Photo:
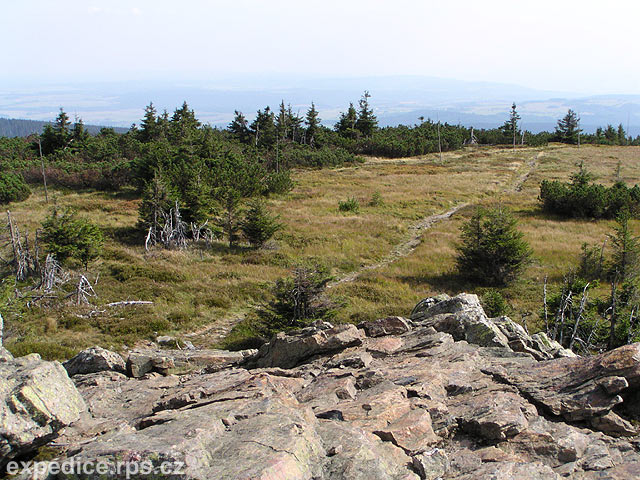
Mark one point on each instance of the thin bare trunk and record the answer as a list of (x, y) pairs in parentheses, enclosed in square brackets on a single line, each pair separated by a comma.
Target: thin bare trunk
[(568, 299), (583, 304), (439, 141), (612, 327), (44, 176), (546, 311)]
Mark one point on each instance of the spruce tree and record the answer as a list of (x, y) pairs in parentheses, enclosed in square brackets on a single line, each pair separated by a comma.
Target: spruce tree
[(295, 121), (493, 251), (156, 203), (259, 225), (263, 129), (622, 135), (282, 123), (149, 125), (511, 126), (367, 121), (625, 261), (239, 127), (611, 135), (234, 179), (346, 125), (67, 236), (313, 124), (568, 128), (183, 126), (79, 134), (13, 188), (57, 136)]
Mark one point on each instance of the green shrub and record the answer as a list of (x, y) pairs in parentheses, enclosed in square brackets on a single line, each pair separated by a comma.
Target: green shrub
[(279, 182), (494, 303), (259, 225), (351, 204), (47, 349), (376, 200), (493, 251), (68, 237), (302, 297), (13, 188), (583, 199)]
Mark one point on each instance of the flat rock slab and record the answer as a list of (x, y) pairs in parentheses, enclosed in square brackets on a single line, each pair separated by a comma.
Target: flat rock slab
[(143, 361)]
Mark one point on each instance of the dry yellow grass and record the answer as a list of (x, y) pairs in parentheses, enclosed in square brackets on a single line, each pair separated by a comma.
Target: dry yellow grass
[(197, 289)]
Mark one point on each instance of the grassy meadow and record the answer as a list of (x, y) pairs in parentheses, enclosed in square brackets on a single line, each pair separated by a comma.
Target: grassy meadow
[(200, 294)]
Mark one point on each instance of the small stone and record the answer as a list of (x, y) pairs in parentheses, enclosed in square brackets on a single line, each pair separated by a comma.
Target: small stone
[(431, 464), (613, 385), (412, 432), (386, 326), (346, 389), (614, 425), (166, 341), (335, 450)]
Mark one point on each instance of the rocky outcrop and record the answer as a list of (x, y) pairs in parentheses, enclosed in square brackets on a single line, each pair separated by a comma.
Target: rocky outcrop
[(580, 388), (37, 400), (94, 359), (463, 317), (447, 394)]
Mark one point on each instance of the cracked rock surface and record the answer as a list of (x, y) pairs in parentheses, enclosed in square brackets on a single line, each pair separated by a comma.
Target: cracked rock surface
[(447, 393)]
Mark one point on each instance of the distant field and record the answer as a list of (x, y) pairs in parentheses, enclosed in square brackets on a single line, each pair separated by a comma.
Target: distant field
[(207, 291)]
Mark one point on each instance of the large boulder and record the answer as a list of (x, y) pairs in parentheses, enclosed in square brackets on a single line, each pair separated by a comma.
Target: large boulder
[(464, 318), (37, 400), (94, 359), (461, 316), (289, 350)]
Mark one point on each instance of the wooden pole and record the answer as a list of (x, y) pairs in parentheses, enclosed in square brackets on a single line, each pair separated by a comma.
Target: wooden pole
[(439, 141), (44, 177)]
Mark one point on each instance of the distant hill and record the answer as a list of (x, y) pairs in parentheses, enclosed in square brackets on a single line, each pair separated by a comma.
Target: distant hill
[(15, 127), (395, 99)]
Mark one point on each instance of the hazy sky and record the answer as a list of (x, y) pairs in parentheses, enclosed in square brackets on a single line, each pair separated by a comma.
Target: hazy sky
[(588, 46)]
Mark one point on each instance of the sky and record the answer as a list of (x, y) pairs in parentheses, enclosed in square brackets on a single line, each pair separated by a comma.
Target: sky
[(584, 46)]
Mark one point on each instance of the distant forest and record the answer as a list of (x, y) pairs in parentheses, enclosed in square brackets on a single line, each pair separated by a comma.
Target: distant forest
[(14, 127), (193, 163)]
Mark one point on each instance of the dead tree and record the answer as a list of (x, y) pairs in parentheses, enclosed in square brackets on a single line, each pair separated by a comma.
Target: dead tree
[(52, 275), (83, 291), (567, 301), (613, 319), (199, 231), (172, 234), (546, 310), (632, 325), (583, 304), (25, 263)]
